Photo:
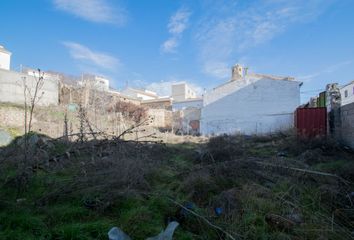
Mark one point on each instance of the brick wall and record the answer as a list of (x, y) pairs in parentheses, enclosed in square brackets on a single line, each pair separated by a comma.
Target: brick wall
[(347, 124)]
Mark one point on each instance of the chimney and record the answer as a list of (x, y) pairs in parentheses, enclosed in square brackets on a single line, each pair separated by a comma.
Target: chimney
[(237, 72)]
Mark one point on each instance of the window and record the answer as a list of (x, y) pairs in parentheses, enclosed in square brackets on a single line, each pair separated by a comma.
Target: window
[(346, 93)]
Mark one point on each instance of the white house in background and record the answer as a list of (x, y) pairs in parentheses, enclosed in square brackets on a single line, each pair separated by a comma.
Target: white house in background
[(95, 82), (347, 93), (5, 58), (250, 104), (182, 91), (140, 94)]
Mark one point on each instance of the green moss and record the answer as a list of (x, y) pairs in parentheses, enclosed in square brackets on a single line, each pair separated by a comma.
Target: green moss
[(266, 151), (18, 223), (82, 231), (14, 132), (331, 166)]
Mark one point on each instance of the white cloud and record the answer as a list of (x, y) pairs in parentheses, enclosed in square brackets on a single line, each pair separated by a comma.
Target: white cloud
[(177, 25), (93, 10), (170, 45), (328, 70), (224, 33), (87, 56), (217, 69), (178, 22)]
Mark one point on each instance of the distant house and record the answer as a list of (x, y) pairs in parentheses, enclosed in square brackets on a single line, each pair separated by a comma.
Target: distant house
[(141, 94), (182, 91), (95, 82), (250, 104), (347, 93)]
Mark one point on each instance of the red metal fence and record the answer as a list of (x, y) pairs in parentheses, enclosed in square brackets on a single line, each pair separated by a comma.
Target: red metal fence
[(311, 122)]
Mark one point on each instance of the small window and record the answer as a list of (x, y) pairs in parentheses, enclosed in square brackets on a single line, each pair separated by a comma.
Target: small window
[(346, 93)]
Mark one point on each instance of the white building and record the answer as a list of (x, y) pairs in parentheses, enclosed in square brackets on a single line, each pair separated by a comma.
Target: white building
[(250, 104), (5, 58), (140, 94), (94, 82), (182, 91), (347, 93)]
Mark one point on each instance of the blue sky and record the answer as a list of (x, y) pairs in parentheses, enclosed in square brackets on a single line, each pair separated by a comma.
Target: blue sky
[(149, 42)]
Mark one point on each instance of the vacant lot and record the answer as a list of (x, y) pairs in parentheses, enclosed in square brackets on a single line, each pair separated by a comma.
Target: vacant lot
[(232, 187)]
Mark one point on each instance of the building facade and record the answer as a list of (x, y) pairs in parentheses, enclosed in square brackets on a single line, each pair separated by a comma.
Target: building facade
[(347, 93), (182, 91), (5, 58), (250, 104), (140, 94)]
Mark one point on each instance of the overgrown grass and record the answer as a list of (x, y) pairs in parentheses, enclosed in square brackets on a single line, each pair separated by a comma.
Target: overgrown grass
[(13, 105), (247, 194)]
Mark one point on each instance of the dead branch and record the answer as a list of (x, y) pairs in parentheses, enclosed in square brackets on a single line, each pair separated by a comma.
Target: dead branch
[(204, 219), (306, 171)]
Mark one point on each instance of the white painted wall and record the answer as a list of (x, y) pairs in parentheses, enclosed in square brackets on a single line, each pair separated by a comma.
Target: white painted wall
[(225, 89), (347, 94), (140, 94), (5, 59), (144, 97), (182, 91), (11, 88), (253, 106)]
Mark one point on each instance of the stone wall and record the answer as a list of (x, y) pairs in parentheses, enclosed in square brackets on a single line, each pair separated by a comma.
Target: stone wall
[(11, 117), (161, 118), (158, 104)]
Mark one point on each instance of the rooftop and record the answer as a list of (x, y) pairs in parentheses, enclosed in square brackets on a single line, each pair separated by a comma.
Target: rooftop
[(143, 91), (165, 99), (190, 100), (2, 49), (347, 84)]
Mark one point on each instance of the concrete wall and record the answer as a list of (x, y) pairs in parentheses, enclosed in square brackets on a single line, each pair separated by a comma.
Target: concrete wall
[(260, 107), (182, 91), (225, 89), (5, 59), (347, 94), (347, 124), (11, 88), (140, 94)]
